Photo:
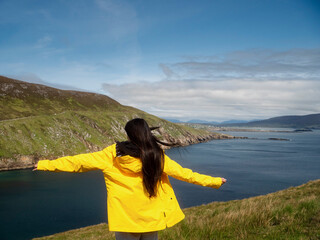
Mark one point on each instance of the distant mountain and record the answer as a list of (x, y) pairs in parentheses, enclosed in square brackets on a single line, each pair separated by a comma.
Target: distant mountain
[(215, 122), (173, 120), (306, 121), (199, 121), (37, 121), (233, 121)]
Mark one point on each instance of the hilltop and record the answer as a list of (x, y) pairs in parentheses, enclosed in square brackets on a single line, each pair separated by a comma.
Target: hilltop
[(293, 213), (38, 121), (21, 99)]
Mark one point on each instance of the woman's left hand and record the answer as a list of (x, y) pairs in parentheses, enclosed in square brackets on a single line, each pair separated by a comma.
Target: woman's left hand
[(35, 167)]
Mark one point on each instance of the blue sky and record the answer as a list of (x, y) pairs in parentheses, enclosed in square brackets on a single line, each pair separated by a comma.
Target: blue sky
[(212, 60)]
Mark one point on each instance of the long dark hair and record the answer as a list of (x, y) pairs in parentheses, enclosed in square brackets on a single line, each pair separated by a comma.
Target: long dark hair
[(151, 154)]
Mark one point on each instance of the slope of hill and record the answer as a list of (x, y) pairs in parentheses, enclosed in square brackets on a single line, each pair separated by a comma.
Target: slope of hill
[(293, 213), (21, 99), (37, 121), (306, 121)]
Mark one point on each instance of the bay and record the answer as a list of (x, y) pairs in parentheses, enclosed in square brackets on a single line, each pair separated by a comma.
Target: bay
[(34, 204)]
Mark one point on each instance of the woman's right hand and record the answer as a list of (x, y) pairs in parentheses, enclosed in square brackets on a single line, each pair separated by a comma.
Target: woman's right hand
[(223, 180)]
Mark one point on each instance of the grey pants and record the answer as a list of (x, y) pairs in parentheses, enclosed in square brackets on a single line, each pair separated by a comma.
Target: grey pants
[(136, 236)]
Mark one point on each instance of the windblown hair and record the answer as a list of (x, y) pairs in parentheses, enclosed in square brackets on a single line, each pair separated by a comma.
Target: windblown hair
[(151, 154)]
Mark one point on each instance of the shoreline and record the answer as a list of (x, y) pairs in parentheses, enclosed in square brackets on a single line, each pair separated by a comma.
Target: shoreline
[(27, 161)]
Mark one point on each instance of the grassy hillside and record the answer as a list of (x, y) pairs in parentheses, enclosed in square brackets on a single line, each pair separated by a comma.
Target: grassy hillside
[(75, 131), (293, 213), (37, 121), (21, 99)]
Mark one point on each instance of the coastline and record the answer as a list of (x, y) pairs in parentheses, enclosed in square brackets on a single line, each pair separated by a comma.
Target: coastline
[(28, 161), (21, 162)]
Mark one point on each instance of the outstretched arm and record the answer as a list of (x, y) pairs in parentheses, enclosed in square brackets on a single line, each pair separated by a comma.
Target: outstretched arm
[(78, 163), (175, 170)]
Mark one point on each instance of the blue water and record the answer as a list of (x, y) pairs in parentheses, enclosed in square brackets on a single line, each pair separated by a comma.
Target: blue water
[(34, 204)]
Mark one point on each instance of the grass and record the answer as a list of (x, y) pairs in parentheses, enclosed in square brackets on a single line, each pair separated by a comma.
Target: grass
[(293, 213), (21, 99), (74, 132)]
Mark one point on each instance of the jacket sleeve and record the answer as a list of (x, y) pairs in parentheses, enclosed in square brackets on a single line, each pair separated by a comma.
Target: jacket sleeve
[(79, 163), (175, 170)]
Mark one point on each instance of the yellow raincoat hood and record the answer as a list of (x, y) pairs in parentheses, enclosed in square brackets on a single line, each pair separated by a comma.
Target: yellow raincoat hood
[(129, 164)]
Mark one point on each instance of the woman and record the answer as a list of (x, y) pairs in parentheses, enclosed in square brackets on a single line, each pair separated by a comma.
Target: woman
[(140, 198)]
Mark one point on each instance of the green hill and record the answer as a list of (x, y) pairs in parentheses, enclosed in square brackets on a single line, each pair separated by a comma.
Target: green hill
[(293, 213), (37, 121), (21, 99)]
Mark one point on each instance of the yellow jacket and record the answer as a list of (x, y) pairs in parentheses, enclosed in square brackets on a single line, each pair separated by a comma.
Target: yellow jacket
[(129, 207)]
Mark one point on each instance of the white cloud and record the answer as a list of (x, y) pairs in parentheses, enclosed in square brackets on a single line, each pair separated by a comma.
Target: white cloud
[(223, 100), (255, 64), (243, 85)]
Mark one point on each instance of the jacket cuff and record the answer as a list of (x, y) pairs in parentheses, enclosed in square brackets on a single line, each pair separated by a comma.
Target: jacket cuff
[(218, 182)]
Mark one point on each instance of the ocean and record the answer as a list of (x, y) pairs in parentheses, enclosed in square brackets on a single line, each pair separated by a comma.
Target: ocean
[(35, 204)]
